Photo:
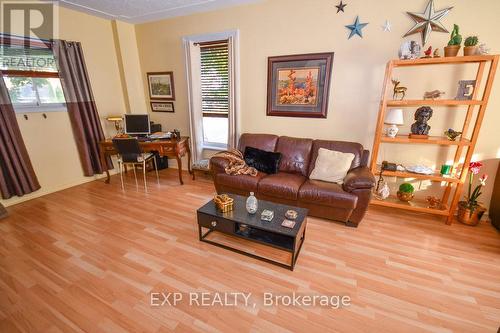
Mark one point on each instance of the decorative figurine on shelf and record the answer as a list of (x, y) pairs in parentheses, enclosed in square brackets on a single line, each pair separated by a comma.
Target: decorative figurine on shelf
[(428, 52), (433, 94), (465, 89), (451, 134), (405, 192), (483, 49), (454, 44), (420, 128), (398, 90), (436, 53), (384, 192), (409, 50), (434, 202)]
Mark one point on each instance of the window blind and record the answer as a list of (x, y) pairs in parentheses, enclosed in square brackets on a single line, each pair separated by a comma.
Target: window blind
[(215, 78)]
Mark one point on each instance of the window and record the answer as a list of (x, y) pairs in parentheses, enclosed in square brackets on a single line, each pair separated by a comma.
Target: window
[(31, 77), (214, 77)]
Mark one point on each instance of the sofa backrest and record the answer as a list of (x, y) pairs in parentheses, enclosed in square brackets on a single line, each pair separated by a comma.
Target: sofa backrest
[(265, 142), (295, 154), (360, 157)]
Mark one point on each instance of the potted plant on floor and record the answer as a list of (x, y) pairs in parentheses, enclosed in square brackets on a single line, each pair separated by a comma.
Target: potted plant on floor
[(471, 211), (405, 192), (470, 45), (454, 44)]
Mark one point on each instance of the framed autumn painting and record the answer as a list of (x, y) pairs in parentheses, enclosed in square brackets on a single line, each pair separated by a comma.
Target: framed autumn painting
[(298, 85)]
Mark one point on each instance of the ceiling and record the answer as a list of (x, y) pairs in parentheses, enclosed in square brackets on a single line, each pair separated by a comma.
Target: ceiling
[(140, 11)]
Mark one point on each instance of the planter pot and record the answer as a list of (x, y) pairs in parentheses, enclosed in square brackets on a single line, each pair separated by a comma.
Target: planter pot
[(405, 196), (464, 215), (470, 50), (451, 51)]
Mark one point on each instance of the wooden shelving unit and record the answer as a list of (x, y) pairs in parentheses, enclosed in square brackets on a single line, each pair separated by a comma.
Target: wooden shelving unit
[(475, 105)]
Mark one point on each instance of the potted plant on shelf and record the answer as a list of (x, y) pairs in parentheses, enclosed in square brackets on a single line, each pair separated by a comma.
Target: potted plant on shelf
[(470, 45), (471, 211), (454, 44), (406, 192)]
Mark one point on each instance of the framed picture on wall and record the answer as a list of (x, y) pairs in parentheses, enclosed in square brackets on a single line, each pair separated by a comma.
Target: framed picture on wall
[(299, 85), (160, 106), (161, 85)]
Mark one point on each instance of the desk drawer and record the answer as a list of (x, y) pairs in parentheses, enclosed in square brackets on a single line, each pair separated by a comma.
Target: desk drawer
[(215, 223)]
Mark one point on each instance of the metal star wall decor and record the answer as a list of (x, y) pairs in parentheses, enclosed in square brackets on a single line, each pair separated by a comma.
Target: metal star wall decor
[(428, 21), (356, 28), (387, 26), (340, 7)]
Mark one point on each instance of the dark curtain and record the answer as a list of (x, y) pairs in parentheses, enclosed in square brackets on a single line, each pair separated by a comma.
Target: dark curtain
[(17, 176), (81, 106)]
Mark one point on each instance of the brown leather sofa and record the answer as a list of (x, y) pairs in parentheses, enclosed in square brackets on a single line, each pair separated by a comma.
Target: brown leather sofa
[(291, 185)]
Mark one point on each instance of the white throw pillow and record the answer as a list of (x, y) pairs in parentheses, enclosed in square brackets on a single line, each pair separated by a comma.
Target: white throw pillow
[(331, 166)]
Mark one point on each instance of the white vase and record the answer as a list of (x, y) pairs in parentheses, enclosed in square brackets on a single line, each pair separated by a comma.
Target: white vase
[(252, 204)]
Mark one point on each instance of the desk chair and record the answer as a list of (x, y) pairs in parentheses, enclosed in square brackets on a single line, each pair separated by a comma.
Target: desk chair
[(130, 153)]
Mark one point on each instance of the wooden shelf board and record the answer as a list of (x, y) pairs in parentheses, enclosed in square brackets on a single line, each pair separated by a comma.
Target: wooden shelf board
[(414, 205), (442, 102), (432, 140), (436, 177), (443, 60)]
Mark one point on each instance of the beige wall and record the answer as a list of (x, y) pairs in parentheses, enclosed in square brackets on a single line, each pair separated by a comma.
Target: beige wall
[(50, 141), (281, 27)]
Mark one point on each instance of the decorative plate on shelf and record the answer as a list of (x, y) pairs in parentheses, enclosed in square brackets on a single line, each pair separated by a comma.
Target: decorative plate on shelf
[(421, 169)]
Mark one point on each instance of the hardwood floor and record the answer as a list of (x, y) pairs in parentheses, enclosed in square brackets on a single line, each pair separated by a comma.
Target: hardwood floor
[(87, 259)]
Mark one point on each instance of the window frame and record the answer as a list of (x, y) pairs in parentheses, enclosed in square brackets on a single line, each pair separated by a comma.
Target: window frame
[(38, 107)]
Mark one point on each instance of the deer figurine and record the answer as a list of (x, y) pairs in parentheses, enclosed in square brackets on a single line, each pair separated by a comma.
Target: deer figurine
[(398, 90)]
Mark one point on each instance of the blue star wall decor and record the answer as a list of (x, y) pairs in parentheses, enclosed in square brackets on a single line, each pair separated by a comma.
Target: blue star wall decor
[(356, 28)]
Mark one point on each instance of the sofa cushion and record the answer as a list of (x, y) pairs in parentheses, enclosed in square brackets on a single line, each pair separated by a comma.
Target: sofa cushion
[(317, 191), (242, 182), (265, 142), (296, 154), (283, 185), (262, 160), (342, 146), (331, 166)]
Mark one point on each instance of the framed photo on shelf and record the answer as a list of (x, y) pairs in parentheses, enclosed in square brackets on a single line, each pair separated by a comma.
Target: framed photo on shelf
[(161, 85), (299, 85), (161, 106)]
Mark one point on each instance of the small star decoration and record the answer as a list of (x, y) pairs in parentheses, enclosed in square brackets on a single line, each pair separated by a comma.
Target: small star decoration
[(340, 7), (387, 26), (356, 28)]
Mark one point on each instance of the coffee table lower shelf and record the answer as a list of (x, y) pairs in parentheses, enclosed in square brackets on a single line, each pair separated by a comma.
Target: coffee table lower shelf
[(292, 248)]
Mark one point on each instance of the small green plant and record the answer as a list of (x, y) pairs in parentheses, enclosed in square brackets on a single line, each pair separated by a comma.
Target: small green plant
[(471, 41), (406, 188), (455, 37)]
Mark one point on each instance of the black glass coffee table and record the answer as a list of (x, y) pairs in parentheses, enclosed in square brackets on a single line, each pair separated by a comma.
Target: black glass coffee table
[(241, 224)]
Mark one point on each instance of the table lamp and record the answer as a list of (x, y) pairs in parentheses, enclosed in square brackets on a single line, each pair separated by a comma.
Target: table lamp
[(394, 118), (118, 123)]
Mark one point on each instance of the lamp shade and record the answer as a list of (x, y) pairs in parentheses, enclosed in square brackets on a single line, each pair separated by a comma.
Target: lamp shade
[(394, 117)]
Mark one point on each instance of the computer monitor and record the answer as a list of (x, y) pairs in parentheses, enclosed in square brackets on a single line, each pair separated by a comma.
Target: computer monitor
[(137, 124)]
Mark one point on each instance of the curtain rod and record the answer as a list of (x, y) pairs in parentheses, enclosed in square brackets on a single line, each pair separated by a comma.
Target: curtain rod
[(22, 40), (212, 42)]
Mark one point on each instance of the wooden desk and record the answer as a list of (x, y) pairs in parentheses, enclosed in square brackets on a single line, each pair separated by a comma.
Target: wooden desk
[(166, 147)]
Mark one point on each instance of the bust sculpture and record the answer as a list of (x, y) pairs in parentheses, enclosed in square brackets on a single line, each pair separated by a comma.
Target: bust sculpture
[(422, 116)]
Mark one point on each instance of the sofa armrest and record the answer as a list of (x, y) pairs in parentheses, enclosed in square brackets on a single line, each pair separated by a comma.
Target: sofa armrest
[(359, 178), (218, 164)]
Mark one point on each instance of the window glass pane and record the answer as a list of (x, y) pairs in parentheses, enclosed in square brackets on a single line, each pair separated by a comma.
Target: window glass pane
[(24, 59), (49, 90), (21, 90), (215, 130)]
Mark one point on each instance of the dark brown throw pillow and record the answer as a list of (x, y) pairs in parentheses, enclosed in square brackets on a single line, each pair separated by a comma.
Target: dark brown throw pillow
[(264, 161)]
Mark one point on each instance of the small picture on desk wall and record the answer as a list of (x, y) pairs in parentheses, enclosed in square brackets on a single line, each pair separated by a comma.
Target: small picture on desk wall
[(162, 106), (161, 85)]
